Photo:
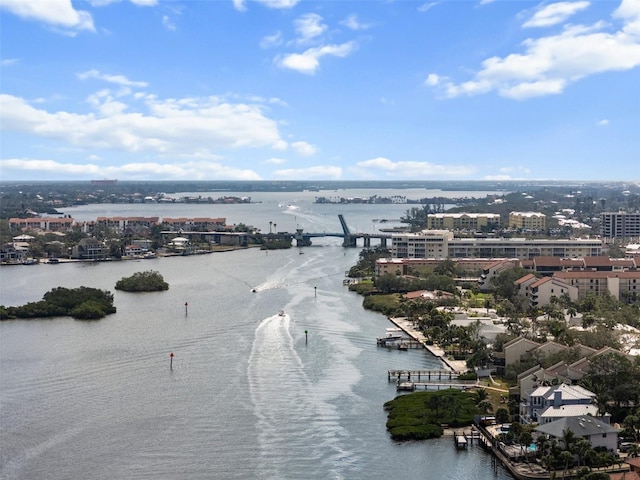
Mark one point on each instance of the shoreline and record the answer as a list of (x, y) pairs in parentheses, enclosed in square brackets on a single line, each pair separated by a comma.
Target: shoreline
[(458, 366)]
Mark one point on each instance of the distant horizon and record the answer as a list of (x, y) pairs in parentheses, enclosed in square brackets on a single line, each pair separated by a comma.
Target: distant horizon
[(291, 90), (329, 184)]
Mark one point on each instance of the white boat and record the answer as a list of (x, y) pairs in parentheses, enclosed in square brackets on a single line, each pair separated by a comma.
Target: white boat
[(391, 335)]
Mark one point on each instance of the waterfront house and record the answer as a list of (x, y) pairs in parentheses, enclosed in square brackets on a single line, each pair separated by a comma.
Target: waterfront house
[(541, 398), (597, 432), (90, 249)]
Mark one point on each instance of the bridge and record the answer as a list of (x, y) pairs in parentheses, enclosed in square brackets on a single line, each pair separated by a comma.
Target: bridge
[(302, 238), (349, 239)]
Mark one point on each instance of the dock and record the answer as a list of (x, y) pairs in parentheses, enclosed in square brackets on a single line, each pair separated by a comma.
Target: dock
[(419, 375), (418, 338)]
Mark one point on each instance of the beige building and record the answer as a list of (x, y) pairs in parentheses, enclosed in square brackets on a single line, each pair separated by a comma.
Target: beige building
[(538, 291), (618, 284), (53, 224), (463, 221), (442, 244), (527, 220), (120, 224)]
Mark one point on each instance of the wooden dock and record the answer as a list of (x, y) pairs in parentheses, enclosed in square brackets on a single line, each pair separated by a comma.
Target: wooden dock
[(400, 344), (421, 375)]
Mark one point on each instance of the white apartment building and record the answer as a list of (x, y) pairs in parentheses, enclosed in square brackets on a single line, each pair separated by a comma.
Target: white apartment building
[(442, 244)]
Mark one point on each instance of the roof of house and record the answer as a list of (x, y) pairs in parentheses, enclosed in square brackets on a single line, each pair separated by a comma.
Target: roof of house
[(582, 426), (568, 392), (570, 411), (624, 476), (526, 278)]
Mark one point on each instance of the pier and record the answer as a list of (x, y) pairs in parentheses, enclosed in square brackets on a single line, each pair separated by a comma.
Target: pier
[(419, 375)]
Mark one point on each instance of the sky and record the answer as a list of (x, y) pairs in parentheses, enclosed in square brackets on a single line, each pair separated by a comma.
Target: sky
[(319, 90)]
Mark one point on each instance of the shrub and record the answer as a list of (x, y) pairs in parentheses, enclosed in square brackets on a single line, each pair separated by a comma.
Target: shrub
[(149, 281), (83, 303)]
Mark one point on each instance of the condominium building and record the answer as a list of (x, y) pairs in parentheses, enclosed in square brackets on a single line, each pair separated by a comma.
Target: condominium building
[(620, 225), (618, 284), (442, 244), (195, 224), (44, 224), (463, 221), (120, 224), (527, 220)]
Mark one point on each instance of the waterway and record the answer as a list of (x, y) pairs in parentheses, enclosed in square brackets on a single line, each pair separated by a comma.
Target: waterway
[(249, 394)]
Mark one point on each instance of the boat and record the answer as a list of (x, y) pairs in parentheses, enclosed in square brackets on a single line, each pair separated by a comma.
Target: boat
[(53, 260), (391, 336), (148, 255), (29, 261), (281, 313)]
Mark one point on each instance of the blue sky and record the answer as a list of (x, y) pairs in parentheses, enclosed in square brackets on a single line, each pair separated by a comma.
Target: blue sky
[(327, 90)]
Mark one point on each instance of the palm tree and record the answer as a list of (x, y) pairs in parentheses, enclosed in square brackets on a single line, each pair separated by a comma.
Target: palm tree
[(566, 457), (480, 394), (485, 406)]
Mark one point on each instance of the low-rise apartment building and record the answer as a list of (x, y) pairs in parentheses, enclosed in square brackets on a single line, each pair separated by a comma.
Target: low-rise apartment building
[(122, 224), (618, 284), (42, 224), (463, 221), (442, 244), (527, 220)]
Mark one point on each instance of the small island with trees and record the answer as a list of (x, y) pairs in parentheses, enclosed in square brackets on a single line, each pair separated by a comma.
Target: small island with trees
[(148, 281), (82, 303)]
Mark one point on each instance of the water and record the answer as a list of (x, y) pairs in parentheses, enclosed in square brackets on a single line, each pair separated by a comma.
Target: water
[(250, 395)]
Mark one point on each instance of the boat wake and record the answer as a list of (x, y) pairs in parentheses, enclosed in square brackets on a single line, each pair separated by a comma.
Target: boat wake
[(296, 428)]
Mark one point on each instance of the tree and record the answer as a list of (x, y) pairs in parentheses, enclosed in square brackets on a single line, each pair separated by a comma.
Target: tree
[(416, 217), (502, 415), (485, 406)]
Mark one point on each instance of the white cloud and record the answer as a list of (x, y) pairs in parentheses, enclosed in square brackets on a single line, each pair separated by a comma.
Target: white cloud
[(308, 27), (603, 123), (320, 172), (271, 40), (117, 79), (168, 23), (427, 6), (7, 62), (275, 161), (353, 23), (555, 13), (411, 169), (303, 148), (549, 64), (140, 3), (432, 80), (202, 170), (241, 6), (308, 61), (58, 13), (198, 125)]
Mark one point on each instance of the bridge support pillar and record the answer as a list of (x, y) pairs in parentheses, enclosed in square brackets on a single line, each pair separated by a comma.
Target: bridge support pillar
[(383, 242), (367, 242)]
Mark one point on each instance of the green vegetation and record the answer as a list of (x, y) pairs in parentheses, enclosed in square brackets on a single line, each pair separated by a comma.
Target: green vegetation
[(149, 281), (420, 415), (82, 303), (366, 265)]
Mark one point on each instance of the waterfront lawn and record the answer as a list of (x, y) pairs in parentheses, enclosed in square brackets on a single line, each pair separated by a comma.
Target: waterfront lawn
[(420, 415)]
